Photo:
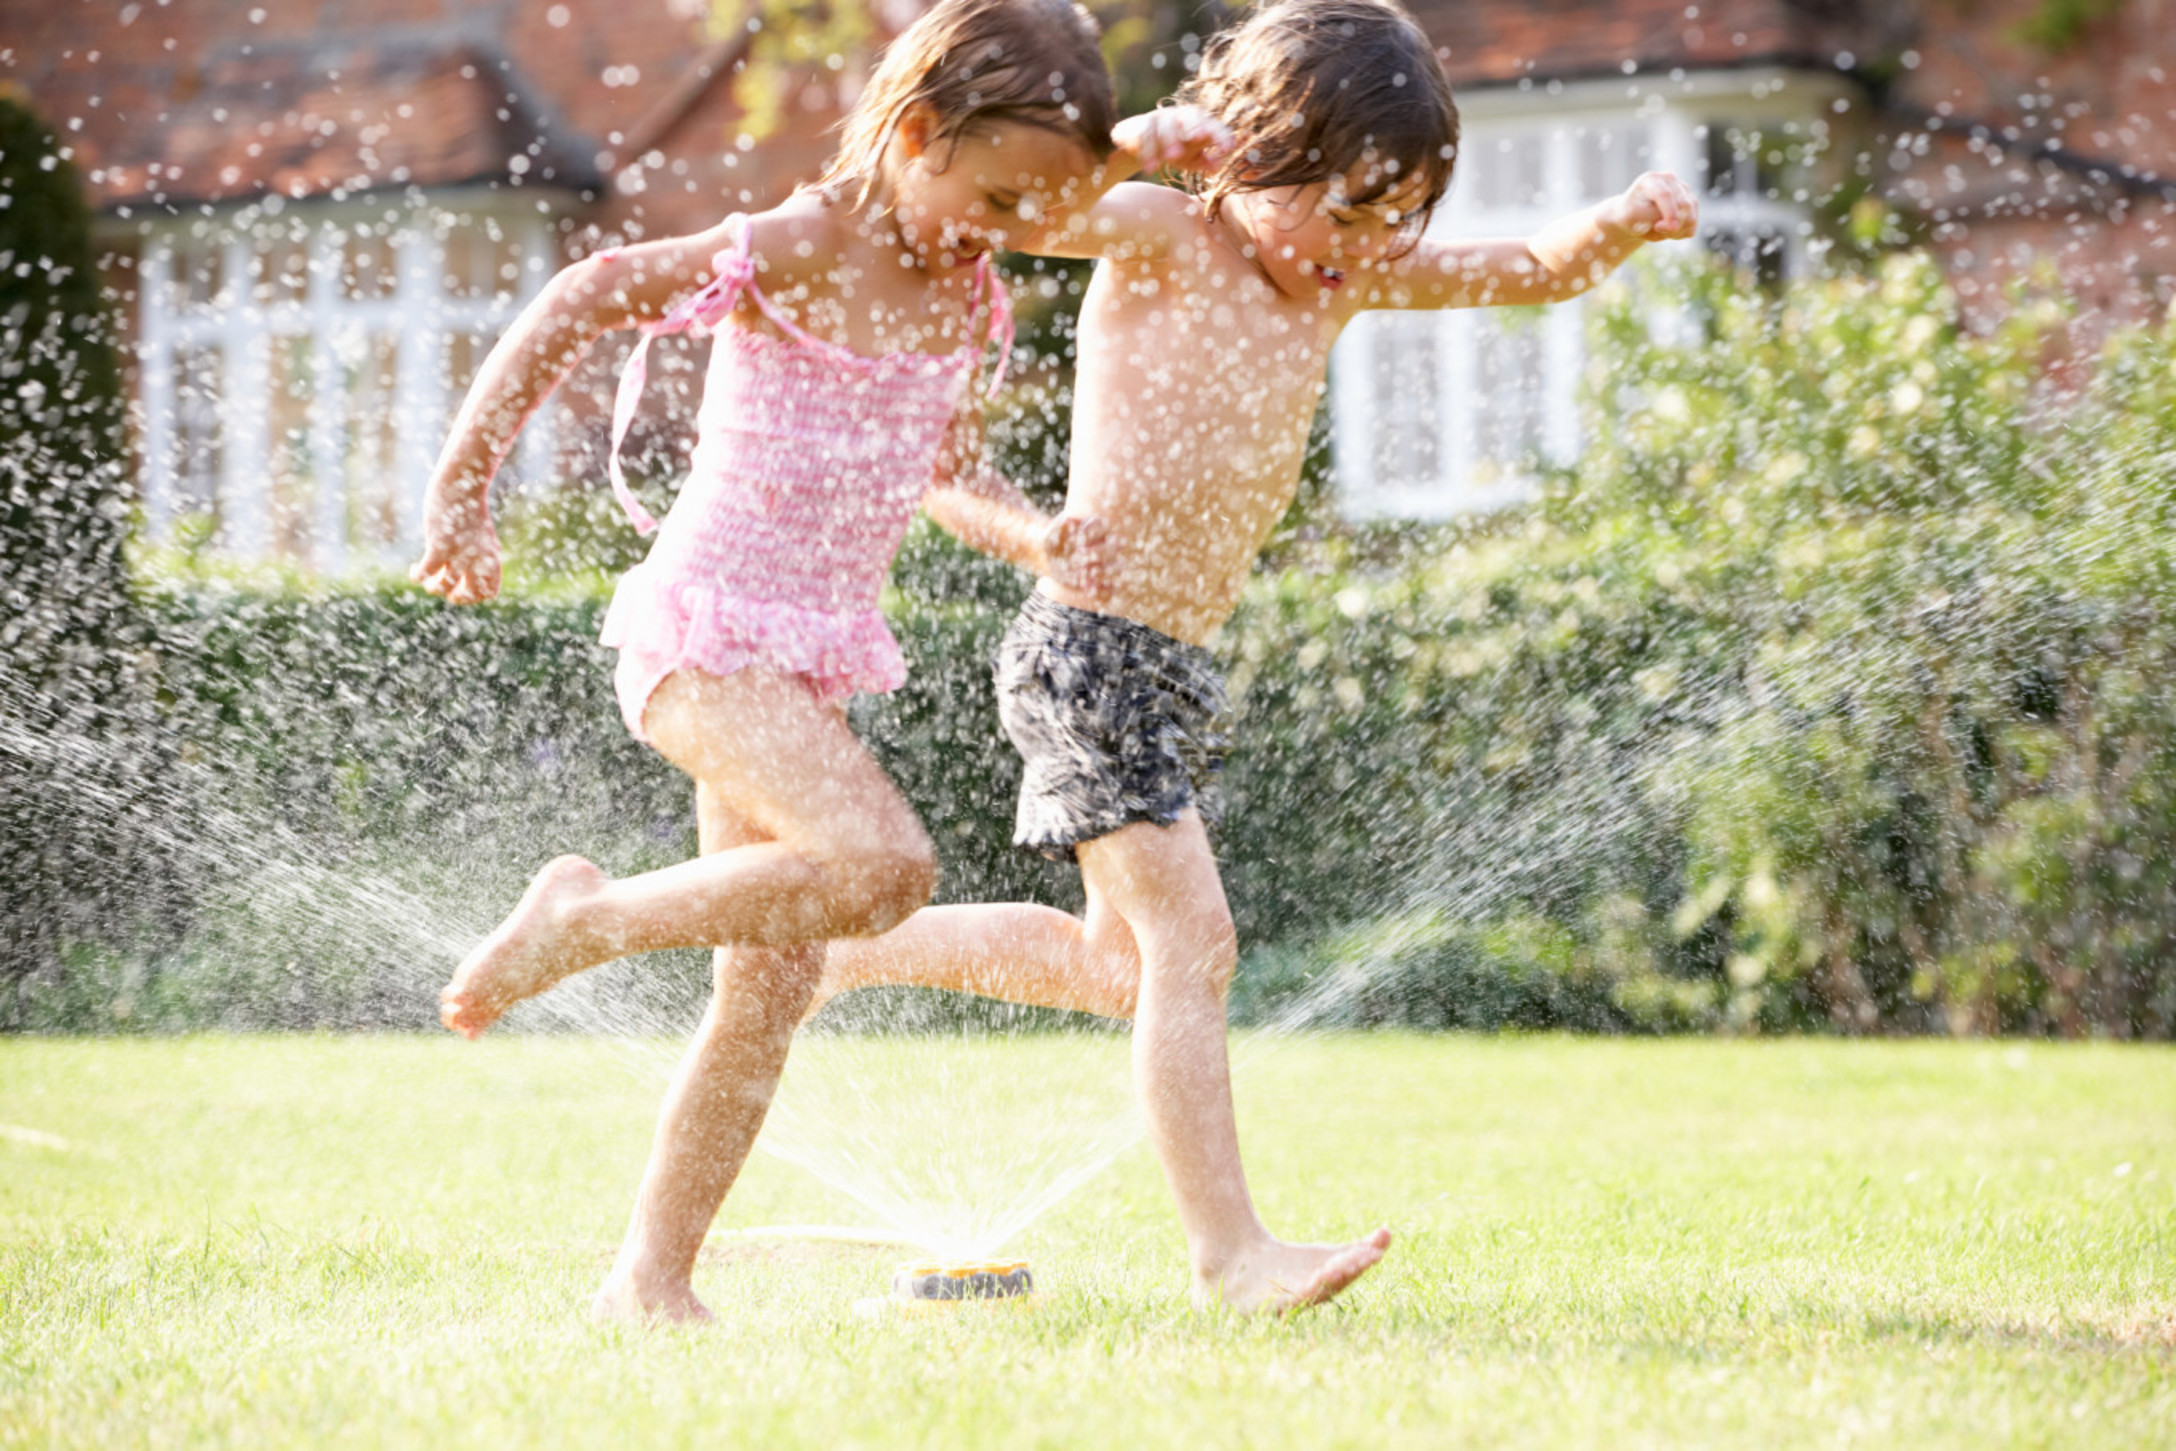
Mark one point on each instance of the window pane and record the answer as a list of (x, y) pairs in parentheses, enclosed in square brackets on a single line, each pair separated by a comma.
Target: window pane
[(505, 267), (1611, 157), (199, 272), (373, 519), (288, 431), (1513, 170), (461, 259), (1508, 381), (1751, 161), (483, 259), (280, 270), (199, 451), (464, 352), (367, 267), (1405, 381)]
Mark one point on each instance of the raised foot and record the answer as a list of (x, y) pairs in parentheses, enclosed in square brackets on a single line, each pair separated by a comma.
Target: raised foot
[(1274, 1278), (621, 1301), (526, 955)]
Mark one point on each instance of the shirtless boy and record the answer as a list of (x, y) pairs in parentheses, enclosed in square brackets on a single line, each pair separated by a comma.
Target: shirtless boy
[(1204, 340)]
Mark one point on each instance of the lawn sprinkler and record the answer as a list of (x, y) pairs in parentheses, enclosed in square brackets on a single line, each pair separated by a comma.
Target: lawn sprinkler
[(929, 1284)]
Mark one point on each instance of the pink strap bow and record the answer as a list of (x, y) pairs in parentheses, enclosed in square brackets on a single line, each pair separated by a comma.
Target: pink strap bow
[(735, 269)]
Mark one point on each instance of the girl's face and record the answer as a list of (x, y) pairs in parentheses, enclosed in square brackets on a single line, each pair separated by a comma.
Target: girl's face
[(978, 192), (1310, 239)]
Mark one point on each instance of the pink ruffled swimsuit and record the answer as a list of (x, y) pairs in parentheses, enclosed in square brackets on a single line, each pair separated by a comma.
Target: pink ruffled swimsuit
[(809, 463)]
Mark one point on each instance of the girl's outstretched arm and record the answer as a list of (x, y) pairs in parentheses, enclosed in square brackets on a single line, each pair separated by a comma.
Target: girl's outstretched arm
[(616, 288), (1565, 258)]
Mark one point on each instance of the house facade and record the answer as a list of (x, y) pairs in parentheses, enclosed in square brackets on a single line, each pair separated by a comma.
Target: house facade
[(2011, 145), (318, 216)]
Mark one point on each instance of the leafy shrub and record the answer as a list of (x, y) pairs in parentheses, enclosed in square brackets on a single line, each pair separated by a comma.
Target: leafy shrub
[(1829, 691), (1830, 688)]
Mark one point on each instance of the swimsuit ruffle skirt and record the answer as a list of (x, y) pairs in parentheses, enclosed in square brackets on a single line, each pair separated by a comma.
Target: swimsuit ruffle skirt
[(809, 463)]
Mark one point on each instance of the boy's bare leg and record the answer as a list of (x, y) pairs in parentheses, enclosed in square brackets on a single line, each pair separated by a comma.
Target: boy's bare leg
[(712, 1111), (841, 851), (1016, 951), (1163, 881)]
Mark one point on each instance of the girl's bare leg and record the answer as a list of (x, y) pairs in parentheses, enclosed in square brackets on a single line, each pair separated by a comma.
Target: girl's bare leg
[(1016, 951), (841, 853), (714, 1108), (1163, 881)]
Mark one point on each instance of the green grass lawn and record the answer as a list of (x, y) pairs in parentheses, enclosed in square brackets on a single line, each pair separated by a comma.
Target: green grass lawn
[(297, 1241)]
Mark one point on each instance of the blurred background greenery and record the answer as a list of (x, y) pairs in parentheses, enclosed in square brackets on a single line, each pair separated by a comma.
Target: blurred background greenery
[(1828, 690)]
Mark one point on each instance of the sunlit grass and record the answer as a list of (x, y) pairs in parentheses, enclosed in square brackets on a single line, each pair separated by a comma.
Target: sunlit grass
[(306, 1241)]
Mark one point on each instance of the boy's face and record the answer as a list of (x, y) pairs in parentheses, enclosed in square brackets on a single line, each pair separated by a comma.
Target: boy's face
[(1310, 239)]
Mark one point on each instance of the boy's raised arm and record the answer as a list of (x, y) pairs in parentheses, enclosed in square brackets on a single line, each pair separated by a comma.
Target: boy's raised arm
[(1122, 219), (1565, 258)]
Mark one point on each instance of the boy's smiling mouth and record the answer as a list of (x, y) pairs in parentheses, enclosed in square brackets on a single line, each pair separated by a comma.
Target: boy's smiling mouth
[(1332, 277)]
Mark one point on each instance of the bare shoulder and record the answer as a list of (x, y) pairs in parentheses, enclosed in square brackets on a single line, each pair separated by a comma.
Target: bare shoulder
[(799, 237), (1135, 219)]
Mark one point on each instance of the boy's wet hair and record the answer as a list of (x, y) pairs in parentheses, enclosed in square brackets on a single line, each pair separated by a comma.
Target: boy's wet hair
[(1320, 89), (1035, 62)]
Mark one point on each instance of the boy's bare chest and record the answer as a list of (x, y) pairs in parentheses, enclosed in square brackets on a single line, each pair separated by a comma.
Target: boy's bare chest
[(1231, 349)]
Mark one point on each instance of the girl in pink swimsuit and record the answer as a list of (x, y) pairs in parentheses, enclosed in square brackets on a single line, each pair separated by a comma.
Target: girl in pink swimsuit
[(811, 459), (849, 323)]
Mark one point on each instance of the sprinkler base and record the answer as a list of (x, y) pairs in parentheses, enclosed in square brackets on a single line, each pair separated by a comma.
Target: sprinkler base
[(937, 1282)]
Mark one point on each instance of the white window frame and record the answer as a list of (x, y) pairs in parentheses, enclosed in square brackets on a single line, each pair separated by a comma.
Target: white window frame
[(1671, 116), (422, 315)]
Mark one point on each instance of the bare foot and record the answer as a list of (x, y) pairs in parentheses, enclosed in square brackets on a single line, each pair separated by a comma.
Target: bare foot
[(1275, 1277), (525, 956), (620, 1299)]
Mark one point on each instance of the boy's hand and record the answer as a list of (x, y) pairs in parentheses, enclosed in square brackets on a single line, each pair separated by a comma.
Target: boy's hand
[(1076, 554), (1184, 138), (1659, 207), (460, 551)]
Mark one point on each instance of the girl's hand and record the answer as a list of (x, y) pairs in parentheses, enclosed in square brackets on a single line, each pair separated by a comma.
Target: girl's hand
[(1076, 554), (1659, 207), (1184, 138), (460, 551)]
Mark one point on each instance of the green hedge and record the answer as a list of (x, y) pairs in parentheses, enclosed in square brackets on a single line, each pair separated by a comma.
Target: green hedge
[(1829, 691)]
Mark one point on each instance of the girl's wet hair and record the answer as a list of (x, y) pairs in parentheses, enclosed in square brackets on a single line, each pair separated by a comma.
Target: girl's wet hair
[(1035, 62), (1320, 89)]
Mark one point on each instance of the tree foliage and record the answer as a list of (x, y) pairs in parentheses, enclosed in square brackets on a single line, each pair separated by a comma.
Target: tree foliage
[(1830, 688), (74, 743)]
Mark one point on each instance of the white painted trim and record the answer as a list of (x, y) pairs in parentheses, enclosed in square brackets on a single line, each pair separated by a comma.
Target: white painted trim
[(414, 361), (155, 372), (328, 407), (1776, 90)]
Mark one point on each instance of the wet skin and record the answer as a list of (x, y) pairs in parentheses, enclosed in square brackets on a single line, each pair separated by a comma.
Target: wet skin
[(1204, 348)]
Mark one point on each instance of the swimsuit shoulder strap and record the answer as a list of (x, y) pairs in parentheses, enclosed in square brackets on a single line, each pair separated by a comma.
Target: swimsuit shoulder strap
[(999, 303), (733, 272)]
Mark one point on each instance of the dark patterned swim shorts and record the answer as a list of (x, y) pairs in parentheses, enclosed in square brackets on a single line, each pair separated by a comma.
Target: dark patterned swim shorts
[(1117, 723)]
